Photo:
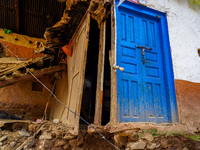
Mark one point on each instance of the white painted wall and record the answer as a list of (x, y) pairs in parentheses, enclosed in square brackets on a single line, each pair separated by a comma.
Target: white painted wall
[(184, 32)]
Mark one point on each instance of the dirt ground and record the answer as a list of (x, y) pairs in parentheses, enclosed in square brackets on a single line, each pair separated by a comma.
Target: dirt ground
[(180, 142)]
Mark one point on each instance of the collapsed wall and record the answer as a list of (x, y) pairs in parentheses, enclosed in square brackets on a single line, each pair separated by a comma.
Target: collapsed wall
[(25, 99), (20, 99), (61, 33)]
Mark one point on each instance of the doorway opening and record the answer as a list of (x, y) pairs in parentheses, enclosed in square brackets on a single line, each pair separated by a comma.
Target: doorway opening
[(90, 81), (107, 80)]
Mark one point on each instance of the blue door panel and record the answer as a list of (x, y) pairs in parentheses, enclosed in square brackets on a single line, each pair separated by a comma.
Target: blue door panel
[(141, 87)]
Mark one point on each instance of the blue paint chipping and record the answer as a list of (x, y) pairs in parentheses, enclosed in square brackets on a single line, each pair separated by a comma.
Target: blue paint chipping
[(145, 88)]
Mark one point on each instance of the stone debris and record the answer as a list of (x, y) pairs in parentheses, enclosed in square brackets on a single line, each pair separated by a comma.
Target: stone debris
[(66, 146), (151, 146), (12, 144), (45, 136), (163, 143), (24, 133), (137, 145), (185, 148), (158, 145), (80, 139), (120, 139), (69, 137), (73, 142), (60, 143), (48, 144), (148, 137), (3, 138), (5, 147), (42, 138)]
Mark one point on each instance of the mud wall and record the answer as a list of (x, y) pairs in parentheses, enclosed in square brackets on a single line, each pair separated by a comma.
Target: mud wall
[(188, 100), (20, 100)]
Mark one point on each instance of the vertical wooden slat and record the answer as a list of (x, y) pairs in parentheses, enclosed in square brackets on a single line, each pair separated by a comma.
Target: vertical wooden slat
[(100, 75), (17, 15)]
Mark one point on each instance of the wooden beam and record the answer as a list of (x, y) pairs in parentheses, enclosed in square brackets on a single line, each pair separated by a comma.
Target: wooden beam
[(100, 75), (38, 73)]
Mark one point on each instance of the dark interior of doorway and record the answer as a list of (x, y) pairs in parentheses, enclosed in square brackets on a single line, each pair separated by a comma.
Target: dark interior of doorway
[(107, 83), (90, 81)]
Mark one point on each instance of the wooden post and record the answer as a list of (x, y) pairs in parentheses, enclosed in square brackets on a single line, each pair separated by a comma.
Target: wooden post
[(100, 75), (112, 57)]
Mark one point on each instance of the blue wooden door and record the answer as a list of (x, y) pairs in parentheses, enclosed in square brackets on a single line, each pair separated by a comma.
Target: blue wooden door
[(141, 87)]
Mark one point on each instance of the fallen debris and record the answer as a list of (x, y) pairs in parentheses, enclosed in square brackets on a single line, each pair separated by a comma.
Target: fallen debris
[(47, 135)]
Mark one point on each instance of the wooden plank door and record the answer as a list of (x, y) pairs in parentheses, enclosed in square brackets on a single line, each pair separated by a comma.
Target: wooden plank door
[(156, 103), (77, 74), (142, 87)]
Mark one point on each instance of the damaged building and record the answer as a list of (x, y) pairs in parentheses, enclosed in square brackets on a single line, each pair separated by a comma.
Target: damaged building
[(110, 62)]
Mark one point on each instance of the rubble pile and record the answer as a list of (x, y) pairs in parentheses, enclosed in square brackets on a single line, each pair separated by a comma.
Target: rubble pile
[(150, 140), (46, 136), (55, 136)]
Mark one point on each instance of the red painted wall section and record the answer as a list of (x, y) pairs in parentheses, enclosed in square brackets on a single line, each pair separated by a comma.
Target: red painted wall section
[(21, 45), (188, 100), (21, 51)]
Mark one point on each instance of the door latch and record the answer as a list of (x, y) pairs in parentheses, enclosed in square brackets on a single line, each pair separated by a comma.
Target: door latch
[(143, 58), (143, 50), (118, 67)]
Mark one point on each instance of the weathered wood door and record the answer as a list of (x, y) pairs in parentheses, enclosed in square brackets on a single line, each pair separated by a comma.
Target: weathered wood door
[(143, 86), (76, 72)]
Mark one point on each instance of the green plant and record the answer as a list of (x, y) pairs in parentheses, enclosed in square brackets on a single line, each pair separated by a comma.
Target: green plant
[(195, 2), (195, 137)]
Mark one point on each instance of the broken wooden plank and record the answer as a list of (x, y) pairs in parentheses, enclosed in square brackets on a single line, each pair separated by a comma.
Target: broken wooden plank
[(24, 64), (76, 75), (80, 65), (38, 73), (7, 121), (7, 60), (100, 75), (14, 68)]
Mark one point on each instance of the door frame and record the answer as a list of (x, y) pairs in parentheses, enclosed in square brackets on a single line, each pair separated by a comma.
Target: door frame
[(165, 47)]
